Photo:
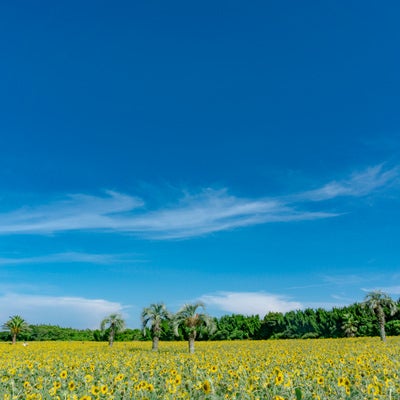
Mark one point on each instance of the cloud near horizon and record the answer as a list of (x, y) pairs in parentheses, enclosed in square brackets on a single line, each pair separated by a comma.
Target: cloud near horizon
[(261, 303), (76, 312), (250, 303), (206, 212)]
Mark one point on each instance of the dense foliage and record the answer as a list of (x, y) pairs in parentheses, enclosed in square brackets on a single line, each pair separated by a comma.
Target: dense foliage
[(351, 321), (53, 333)]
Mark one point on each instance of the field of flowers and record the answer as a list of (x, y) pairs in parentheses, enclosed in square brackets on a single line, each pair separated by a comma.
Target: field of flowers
[(362, 368)]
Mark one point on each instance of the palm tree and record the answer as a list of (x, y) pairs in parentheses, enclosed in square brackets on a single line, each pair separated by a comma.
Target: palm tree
[(114, 323), (191, 321), (154, 316), (377, 302), (16, 325), (349, 325)]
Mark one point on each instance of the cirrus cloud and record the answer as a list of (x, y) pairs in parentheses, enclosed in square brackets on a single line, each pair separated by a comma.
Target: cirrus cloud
[(72, 257), (198, 214), (357, 185)]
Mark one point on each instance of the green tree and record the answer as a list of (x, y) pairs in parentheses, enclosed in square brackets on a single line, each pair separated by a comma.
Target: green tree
[(191, 321), (16, 325), (272, 325), (350, 325), (54, 332), (393, 328), (129, 335), (154, 316), (379, 303), (328, 322), (300, 324), (113, 323), (237, 327), (366, 320)]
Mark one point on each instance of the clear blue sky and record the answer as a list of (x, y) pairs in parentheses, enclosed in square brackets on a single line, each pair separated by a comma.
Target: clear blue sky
[(242, 154)]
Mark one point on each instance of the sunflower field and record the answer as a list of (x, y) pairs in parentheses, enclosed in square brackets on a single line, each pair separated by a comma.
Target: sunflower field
[(357, 368)]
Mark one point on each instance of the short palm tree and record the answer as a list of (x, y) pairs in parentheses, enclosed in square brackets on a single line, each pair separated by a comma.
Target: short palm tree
[(191, 321), (16, 325), (115, 323), (377, 302), (154, 316), (349, 325)]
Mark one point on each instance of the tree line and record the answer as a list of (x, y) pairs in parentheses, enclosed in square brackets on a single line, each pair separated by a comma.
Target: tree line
[(378, 315)]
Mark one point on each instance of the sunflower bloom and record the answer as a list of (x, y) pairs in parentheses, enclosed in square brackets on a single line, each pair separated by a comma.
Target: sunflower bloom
[(206, 386)]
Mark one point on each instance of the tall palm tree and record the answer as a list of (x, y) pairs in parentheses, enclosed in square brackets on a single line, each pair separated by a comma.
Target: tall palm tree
[(115, 323), (16, 325), (188, 318), (154, 316), (377, 302)]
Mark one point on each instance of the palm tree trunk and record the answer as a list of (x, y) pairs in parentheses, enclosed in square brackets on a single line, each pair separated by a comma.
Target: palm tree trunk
[(155, 343), (111, 339), (14, 338), (381, 319), (191, 345)]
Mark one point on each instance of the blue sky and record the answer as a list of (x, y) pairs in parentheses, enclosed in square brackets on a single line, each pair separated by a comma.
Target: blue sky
[(245, 155)]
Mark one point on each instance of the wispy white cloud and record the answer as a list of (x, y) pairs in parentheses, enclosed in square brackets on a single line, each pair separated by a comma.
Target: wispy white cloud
[(353, 279), (71, 257), (209, 211), (194, 215), (362, 282), (77, 212), (346, 279), (392, 290), (213, 211), (250, 303), (76, 312), (359, 184)]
